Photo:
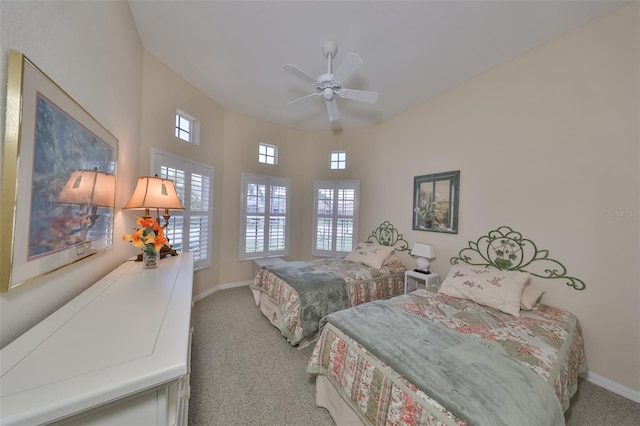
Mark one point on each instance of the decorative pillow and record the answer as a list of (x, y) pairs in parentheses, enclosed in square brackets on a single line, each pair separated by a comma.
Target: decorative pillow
[(370, 254), (392, 259), (531, 295), (496, 289)]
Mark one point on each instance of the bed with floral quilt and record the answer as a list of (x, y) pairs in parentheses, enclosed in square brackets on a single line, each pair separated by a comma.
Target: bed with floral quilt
[(481, 349), (295, 296)]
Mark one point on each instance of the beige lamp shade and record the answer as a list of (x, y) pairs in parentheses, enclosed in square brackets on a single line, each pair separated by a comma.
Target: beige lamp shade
[(423, 252), (154, 193), (89, 187)]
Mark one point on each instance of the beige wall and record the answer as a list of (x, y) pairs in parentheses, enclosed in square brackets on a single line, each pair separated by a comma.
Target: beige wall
[(163, 93), (93, 52), (317, 149), (303, 157), (546, 143), (242, 136)]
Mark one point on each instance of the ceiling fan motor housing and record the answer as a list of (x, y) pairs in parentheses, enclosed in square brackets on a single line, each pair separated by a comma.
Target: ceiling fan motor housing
[(328, 85)]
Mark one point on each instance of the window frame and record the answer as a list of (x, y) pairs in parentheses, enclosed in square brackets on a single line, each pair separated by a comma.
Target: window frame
[(268, 182), (337, 161), (161, 158), (194, 124), (266, 155), (334, 185)]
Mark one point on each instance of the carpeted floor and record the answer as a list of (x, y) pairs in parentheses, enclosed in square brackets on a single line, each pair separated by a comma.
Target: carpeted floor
[(244, 372)]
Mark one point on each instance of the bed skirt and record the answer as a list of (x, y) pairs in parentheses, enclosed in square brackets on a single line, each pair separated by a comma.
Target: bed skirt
[(328, 397), (269, 309)]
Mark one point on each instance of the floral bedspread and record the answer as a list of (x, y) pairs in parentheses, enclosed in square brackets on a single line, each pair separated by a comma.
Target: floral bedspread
[(363, 282), (547, 340)]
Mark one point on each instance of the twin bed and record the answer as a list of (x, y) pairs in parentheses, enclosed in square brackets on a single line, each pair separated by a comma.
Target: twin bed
[(482, 349), (295, 296)]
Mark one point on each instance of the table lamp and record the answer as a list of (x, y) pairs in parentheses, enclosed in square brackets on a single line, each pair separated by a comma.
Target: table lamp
[(155, 193), (423, 252)]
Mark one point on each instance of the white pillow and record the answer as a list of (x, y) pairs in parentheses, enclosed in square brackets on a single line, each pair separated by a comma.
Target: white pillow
[(392, 259), (531, 295), (370, 254), (497, 289)]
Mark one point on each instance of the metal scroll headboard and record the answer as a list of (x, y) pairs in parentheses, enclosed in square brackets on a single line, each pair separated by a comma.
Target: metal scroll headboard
[(506, 249), (387, 235)]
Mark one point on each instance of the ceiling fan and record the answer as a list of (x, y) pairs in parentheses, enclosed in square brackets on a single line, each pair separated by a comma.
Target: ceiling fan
[(329, 85)]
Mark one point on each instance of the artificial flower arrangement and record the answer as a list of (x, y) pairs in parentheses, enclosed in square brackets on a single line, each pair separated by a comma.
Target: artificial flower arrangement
[(149, 236)]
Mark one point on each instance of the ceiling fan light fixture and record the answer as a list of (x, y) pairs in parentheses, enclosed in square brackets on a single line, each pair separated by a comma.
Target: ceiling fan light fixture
[(327, 93)]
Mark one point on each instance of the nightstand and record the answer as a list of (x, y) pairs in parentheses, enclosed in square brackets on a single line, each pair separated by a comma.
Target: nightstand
[(414, 280)]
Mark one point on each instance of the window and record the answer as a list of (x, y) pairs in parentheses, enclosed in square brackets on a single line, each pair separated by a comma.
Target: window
[(264, 228), (189, 230), (338, 160), (267, 154), (187, 128), (335, 217)]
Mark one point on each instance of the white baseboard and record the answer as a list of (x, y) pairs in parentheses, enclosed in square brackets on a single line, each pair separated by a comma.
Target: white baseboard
[(596, 379), (613, 386), (209, 292)]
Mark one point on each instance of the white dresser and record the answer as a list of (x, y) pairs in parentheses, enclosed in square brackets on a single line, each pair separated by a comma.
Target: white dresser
[(117, 354)]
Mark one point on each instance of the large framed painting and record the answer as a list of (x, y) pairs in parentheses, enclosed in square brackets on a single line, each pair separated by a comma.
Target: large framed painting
[(58, 178), (435, 202)]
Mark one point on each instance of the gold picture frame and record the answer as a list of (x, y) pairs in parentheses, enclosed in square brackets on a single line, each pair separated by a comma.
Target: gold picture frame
[(58, 178)]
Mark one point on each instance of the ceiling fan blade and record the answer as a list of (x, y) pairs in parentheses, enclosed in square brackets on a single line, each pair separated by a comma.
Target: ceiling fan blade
[(347, 67), (358, 95), (305, 99), (332, 109), (292, 69)]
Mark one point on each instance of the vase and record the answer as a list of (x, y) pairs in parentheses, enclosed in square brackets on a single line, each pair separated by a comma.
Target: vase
[(149, 260)]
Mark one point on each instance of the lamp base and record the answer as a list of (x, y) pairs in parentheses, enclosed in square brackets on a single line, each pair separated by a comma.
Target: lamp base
[(167, 251), (164, 252), (423, 264)]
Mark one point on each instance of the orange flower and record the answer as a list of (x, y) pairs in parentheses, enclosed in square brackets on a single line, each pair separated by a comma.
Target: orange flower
[(146, 222), (159, 242), (157, 228), (149, 237), (135, 238)]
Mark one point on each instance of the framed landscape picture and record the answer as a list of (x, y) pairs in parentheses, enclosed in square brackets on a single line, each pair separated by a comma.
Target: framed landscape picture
[(58, 178)]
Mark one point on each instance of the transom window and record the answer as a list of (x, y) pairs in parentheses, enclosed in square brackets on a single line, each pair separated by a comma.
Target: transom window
[(338, 160), (267, 154), (187, 128), (335, 217), (264, 228)]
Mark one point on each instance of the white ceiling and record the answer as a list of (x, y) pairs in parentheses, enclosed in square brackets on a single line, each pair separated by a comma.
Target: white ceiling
[(233, 51)]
